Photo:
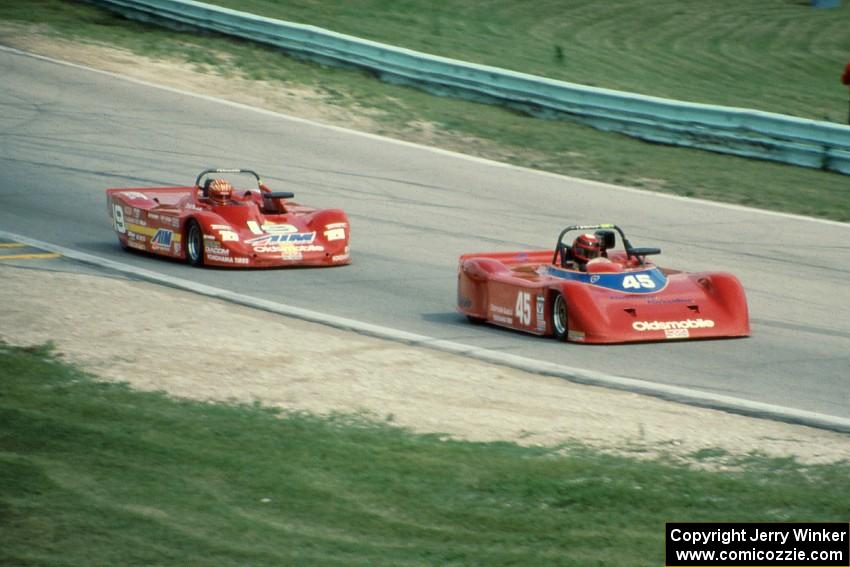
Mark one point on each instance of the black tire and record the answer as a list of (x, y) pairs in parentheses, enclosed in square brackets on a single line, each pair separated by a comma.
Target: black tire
[(560, 327), (194, 243)]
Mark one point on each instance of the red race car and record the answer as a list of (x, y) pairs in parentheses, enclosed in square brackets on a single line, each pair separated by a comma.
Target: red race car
[(586, 291), (213, 224)]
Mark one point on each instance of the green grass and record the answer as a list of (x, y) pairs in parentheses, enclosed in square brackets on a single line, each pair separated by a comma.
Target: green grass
[(707, 48), (94, 473), (776, 55)]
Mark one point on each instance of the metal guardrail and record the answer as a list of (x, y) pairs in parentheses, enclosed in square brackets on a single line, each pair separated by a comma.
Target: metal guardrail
[(743, 132)]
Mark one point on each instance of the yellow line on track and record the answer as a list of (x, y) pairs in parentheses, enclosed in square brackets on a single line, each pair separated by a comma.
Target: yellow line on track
[(41, 255), (12, 245)]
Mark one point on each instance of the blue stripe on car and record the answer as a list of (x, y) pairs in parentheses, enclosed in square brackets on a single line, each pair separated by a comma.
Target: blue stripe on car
[(651, 280)]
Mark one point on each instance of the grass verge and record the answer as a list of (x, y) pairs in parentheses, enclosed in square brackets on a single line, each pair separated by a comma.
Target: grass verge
[(94, 473), (776, 55), (484, 130)]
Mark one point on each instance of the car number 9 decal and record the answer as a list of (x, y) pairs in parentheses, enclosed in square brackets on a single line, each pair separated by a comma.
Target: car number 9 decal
[(118, 218)]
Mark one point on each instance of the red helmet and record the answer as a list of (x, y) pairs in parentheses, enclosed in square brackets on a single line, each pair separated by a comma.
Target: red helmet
[(587, 247), (220, 191)]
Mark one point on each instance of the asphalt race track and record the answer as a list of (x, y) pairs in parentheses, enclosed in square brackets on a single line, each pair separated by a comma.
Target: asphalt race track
[(69, 133)]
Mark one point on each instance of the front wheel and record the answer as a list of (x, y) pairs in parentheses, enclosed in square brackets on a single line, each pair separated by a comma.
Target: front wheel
[(194, 244), (560, 326)]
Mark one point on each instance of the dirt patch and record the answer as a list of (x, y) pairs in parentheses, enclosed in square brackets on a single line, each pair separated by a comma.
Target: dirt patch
[(142, 334), (297, 100)]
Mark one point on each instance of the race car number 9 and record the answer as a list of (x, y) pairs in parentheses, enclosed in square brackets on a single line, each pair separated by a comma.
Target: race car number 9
[(118, 218)]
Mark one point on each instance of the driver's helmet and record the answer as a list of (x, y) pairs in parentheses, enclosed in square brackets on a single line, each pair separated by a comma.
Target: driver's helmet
[(220, 191), (587, 247)]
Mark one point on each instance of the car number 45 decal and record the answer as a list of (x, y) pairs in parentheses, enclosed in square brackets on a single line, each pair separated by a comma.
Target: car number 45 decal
[(638, 281), (522, 311)]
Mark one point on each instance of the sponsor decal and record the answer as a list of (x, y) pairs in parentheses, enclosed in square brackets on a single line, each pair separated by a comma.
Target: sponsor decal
[(295, 238), (339, 258), (685, 324), (664, 301), (677, 333), (541, 319), (500, 309), (162, 239), (501, 314), (576, 336), (217, 250), (135, 244), (218, 258), (210, 237), (226, 259), (287, 249)]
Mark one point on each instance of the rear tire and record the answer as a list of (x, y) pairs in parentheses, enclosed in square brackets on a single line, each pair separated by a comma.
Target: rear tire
[(194, 244), (560, 320)]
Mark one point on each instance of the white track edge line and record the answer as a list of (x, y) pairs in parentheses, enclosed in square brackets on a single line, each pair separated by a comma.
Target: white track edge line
[(457, 155), (577, 375)]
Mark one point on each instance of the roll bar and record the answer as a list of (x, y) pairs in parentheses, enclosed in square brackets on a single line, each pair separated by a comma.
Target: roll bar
[(264, 191), (228, 170), (639, 253)]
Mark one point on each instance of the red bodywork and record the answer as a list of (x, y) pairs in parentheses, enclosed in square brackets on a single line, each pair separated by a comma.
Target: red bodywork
[(619, 299), (249, 231)]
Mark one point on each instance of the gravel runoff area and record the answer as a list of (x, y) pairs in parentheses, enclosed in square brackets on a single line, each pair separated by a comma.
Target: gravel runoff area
[(141, 334), (163, 339)]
